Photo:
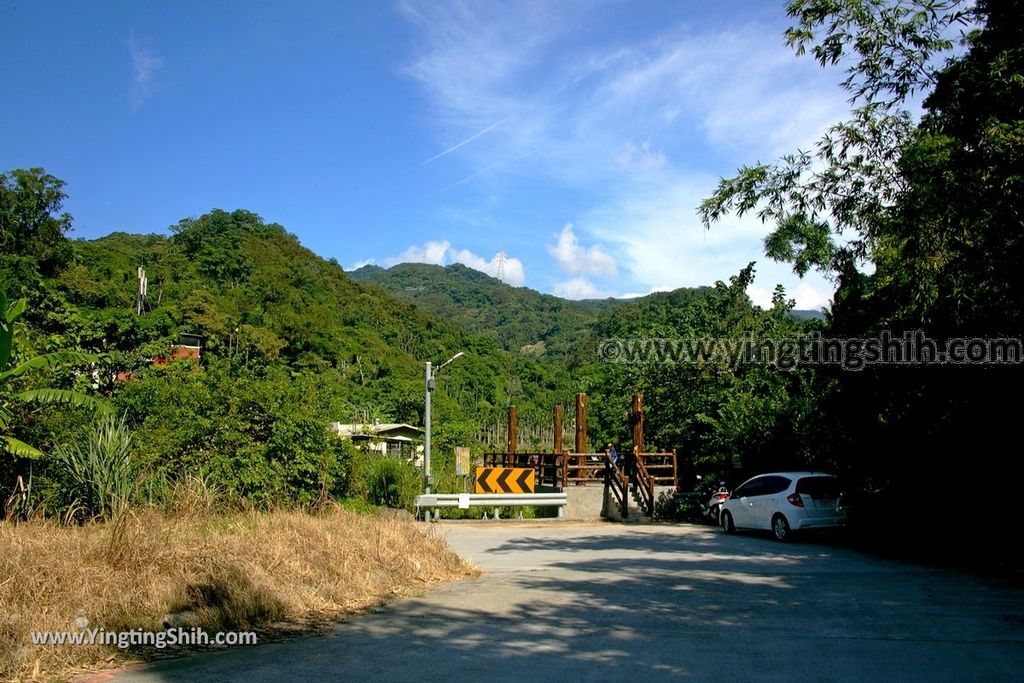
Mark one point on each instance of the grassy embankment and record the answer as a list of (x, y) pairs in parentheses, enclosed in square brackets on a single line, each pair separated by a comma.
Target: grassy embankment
[(272, 572)]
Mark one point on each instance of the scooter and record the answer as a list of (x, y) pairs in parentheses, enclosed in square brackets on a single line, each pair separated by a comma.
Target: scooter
[(714, 506)]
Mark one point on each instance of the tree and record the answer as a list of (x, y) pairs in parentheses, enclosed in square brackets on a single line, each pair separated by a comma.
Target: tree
[(31, 223), (953, 248), (936, 207), (846, 188), (9, 372)]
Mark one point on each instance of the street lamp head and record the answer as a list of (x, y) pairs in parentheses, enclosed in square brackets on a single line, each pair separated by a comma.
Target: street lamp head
[(460, 354)]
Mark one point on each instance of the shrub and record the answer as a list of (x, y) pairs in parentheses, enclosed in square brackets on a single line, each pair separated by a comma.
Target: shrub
[(98, 475), (385, 481)]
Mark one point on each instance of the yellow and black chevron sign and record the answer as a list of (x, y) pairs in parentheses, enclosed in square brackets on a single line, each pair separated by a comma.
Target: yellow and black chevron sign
[(505, 480)]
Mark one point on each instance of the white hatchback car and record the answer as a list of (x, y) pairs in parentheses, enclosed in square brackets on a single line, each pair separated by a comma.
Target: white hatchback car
[(783, 502)]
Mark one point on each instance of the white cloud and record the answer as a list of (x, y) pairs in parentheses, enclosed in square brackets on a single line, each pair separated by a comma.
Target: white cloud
[(441, 253), (640, 156), (580, 288), (502, 266), (432, 252), (664, 245), (806, 295), (574, 258), (359, 264), (584, 115), (760, 296), (145, 64)]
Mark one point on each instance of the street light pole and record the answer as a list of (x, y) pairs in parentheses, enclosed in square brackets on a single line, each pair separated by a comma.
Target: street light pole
[(428, 377), (426, 420)]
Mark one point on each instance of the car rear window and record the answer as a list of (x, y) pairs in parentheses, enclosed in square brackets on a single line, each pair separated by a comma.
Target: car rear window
[(819, 487)]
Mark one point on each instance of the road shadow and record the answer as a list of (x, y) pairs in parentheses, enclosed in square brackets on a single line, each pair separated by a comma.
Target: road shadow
[(631, 604)]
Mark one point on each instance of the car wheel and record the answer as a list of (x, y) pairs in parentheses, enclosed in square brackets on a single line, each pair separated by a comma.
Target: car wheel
[(780, 528), (727, 524)]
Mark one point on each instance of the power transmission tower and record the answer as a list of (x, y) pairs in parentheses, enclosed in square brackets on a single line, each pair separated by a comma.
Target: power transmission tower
[(500, 258)]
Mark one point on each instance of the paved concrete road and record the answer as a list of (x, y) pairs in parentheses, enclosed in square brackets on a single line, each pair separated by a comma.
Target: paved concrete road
[(571, 601)]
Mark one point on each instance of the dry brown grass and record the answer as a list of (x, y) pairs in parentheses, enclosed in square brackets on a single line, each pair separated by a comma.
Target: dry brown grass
[(235, 572)]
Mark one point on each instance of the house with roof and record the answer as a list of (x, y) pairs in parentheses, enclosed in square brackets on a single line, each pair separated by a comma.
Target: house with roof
[(391, 439)]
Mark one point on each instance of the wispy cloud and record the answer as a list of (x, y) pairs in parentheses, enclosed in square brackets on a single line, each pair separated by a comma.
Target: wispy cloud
[(468, 140), (145, 64), (637, 128)]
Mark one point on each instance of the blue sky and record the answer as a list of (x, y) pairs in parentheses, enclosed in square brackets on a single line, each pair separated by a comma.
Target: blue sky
[(575, 137)]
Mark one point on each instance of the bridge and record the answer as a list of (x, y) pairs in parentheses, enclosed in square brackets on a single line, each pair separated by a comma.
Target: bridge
[(630, 483)]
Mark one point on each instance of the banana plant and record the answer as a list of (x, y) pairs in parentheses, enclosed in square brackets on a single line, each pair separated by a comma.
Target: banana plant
[(9, 314)]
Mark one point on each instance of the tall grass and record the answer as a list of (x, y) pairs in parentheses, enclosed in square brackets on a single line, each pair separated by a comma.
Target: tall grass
[(384, 481), (242, 571), (99, 475)]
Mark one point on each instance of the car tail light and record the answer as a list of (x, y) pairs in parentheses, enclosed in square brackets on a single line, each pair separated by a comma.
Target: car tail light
[(795, 499)]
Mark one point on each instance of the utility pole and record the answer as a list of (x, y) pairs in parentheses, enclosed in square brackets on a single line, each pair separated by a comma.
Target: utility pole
[(429, 382), (426, 425)]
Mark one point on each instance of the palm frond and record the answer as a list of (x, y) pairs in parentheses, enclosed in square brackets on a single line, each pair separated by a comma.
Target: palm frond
[(49, 360), (65, 397), (15, 310), (19, 448)]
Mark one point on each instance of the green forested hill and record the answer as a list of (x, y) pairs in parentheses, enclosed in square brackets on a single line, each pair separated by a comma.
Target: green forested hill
[(523, 320), (260, 297), (520, 319), (290, 344)]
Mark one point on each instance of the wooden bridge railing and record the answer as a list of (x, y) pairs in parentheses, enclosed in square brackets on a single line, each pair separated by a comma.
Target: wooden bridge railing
[(579, 469), (662, 467), (547, 465)]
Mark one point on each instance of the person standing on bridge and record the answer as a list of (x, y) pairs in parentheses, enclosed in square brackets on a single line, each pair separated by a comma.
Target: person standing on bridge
[(612, 454)]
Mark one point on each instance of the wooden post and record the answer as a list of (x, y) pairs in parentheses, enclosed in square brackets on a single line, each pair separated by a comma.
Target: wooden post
[(581, 423), (512, 426), (637, 418), (558, 428)]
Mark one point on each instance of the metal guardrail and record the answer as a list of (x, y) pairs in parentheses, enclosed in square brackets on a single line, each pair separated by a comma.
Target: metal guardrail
[(495, 500)]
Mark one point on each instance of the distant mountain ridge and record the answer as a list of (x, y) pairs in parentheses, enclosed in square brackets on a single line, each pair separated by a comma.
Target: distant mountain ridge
[(521, 319)]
